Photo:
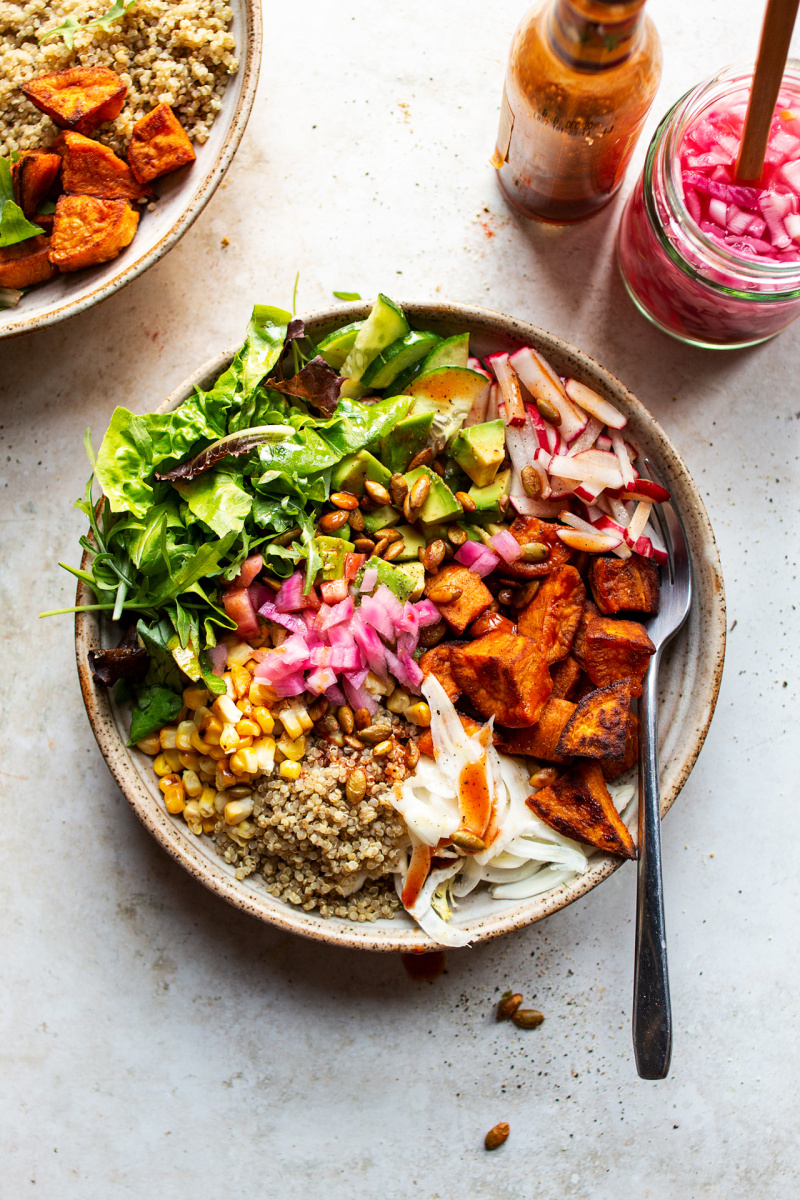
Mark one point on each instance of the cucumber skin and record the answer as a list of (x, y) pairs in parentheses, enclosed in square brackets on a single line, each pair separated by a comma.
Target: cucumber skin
[(336, 359), (379, 375), (384, 325)]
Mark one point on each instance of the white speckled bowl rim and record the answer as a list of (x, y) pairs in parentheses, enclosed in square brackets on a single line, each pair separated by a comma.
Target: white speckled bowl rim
[(688, 682), (186, 193)]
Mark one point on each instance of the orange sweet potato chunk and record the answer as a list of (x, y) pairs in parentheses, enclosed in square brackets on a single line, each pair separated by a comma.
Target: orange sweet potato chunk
[(87, 231), (590, 611), (475, 597), (599, 725), (531, 529), (625, 585), (159, 144), (553, 615), (437, 662), (613, 768), (541, 739), (425, 740), (26, 263), (617, 650), (505, 676), (91, 169), (33, 175), (578, 806), (78, 98), (566, 676)]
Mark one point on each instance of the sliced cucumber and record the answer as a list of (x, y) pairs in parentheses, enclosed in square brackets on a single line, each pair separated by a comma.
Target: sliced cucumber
[(395, 359), (449, 393), (452, 352), (337, 345), (400, 384), (384, 325)]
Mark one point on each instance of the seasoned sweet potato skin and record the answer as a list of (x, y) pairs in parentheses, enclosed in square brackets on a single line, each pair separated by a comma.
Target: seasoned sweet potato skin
[(531, 529), (78, 98), (437, 662), (566, 676), (578, 805), (475, 597), (599, 725), (91, 169), (26, 263), (553, 615), (617, 650), (505, 676), (590, 611), (541, 739), (33, 175), (159, 144), (613, 768), (87, 231), (625, 585)]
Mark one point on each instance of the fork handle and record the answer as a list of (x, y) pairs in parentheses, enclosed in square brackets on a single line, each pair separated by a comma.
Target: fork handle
[(652, 1016)]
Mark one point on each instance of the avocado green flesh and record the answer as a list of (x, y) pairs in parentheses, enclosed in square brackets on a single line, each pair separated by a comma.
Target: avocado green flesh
[(487, 499), (480, 451), (406, 439), (381, 518), (441, 504), (449, 393), (350, 474), (413, 542), (332, 551), (398, 579)]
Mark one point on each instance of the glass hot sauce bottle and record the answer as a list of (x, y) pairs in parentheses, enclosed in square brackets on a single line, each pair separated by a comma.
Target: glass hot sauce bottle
[(581, 77)]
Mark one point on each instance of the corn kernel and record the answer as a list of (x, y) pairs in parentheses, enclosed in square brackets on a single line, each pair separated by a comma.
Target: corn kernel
[(229, 739), (265, 749), (210, 825), (205, 803), (399, 701), (194, 697), (265, 719), (216, 752), (161, 765), (289, 770), (418, 714), (190, 760), (150, 744), (173, 757), (291, 723), (241, 681), (225, 711), (168, 781), (294, 750), (245, 707), (191, 781), (260, 693), (225, 777), (175, 798), (167, 737), (208, 765), (237, 810), (229, 692), (220, 800), (238, 656), (198, 744), (244, 831), (183, 735), (244, 761), (248, 728), (191, 813)]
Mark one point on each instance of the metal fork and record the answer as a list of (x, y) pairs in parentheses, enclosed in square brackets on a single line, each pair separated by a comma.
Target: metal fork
[(652, 1016)]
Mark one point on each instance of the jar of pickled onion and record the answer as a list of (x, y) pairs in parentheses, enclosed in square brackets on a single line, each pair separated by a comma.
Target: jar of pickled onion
[(712, 262)]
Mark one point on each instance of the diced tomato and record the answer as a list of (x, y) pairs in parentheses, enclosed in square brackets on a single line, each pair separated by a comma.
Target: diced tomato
[(352, 565), (239, 607), (248, 571), (334, 591)]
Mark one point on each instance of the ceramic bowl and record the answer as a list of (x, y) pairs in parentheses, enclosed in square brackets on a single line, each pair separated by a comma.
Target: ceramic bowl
[(688, 681), (182, 197)]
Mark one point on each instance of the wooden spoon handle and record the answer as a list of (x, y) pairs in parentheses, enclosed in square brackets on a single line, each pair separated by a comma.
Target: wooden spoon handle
[(773, 51)]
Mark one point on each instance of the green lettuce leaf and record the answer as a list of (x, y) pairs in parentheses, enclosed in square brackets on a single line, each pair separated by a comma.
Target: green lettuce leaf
[(217, 499), (155, 706), (355, 425), (14, 226)]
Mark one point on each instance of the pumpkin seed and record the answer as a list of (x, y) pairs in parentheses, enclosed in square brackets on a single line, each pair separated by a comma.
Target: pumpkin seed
[(345, 500), (442, 594), (527, 1018), (399, 489), (548, 411), (431, 635), (364, 545), (390, 535), (353, 742), (333, 521), (531, 482), (362, 718), (534, 552), (433, 555), (422, 458), (393, 551), (419, 492), (356, 520), (466, 502), (465, 839), (497, 1135), (376, 733), (377, 492), (543, 777), (456, 535), (346, 718), (508, 1005), (356, 787), (412, 755), (383, 748)]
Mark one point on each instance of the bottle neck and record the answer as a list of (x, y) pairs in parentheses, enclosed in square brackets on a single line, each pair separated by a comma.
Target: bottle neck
[(594, 35)]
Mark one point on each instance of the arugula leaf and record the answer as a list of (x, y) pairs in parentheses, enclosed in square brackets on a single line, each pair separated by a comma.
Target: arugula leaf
[(155, 706), (65, 30), (118, 9), (14, 226), (218, 500), (163, 671), (347, 295)]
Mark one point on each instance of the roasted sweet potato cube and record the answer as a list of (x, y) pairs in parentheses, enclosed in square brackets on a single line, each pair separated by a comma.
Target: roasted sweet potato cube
[(475, 597), (33, 175), (617, 650), (579, 806), (599, 725), (613, 768), (87, 231), (437, 662), (79, 98), (554, 613), (541, 739), (590, 611), (625, 584), (566, 678), (26, 263), (505, 676), (91, 169), (159, 144), (531, 529), (425, 740)]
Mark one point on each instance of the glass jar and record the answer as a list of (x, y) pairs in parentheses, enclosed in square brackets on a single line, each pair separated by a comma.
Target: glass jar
[(685, 282)]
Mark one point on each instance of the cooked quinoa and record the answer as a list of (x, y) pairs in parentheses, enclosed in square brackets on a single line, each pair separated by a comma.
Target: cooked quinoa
[(313, 846), (178, 54)]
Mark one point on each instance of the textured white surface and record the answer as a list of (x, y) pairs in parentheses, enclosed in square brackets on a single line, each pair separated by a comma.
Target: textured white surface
[(157, 1043)]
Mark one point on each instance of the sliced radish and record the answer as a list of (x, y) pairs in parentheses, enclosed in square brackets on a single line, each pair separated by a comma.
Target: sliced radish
[(603, 442), (589, 543), (589, 492), (543, 384), (645, 489), (545, 510), (541, 429), (587, 439), (646, 549), (625, 464), (568, 518), (475, 364), (513, 405), (595, 405), (492, 409), (582, 468), (638, 522)]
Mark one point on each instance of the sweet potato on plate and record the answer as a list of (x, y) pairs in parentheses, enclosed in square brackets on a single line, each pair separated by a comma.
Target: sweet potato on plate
[(553, 615), (78, 98), (599, 725), (541, 739), (159, 144), (566, 676), (625, 585), (505, 676), (531, 529), (33, 175), (26, 263), (425, 740), (578, 806), (613, 768), (437, 662), (475, 597), (590, 611), (617, 650), (91, 169), (87, 231)]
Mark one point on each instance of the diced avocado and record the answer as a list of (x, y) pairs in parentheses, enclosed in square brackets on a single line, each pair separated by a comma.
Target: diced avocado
[(397, 579), (384, 325), (412, 544), (381, 518), (488, 498), (337, 345), (415, 572), (349, 474), (449, 393), (441, 504), (452, 352), (480, 450), (332, 551), (406, 439), (397, 358)]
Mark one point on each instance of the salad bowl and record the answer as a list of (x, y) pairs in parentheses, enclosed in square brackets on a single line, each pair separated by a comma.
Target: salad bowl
[(689, 675), (182, 197)]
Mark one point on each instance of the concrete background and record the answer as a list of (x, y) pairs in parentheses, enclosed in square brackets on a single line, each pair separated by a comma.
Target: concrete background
[(158, 1043)]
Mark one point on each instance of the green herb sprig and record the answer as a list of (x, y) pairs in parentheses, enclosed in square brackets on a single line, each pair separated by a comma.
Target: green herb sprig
[(69, 26)]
